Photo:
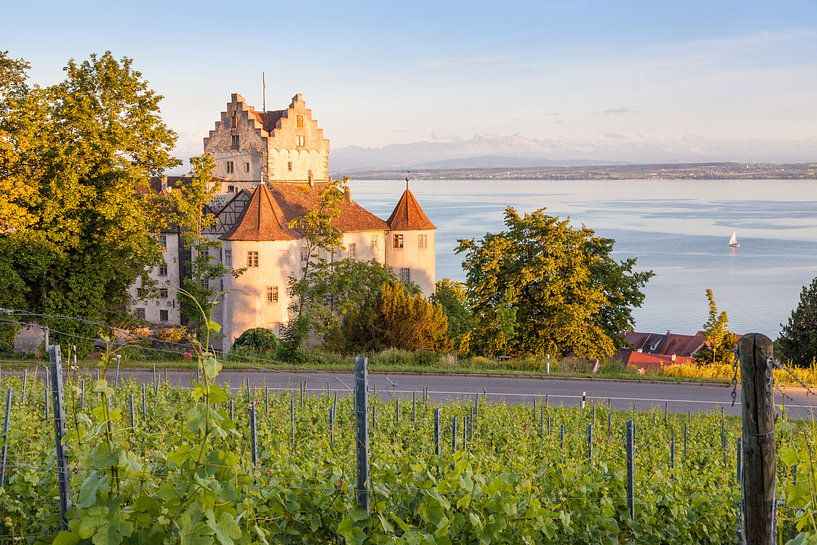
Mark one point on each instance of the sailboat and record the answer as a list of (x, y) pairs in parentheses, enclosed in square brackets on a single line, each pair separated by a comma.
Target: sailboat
[(733, 240)]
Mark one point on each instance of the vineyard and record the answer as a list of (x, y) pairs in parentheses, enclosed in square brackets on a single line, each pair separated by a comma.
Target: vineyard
[(155, 463)]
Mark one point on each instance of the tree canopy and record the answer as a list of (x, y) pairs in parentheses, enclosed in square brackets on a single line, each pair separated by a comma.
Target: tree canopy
[(721, 342), (798, 338), (542, 286), (77, 215)]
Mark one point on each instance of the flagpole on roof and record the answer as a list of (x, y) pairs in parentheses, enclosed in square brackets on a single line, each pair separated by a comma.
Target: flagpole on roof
[(263, 92)]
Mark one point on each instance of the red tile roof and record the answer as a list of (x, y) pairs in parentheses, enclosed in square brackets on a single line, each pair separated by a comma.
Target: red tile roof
[(644, 360), (408, 215), (273, 206), (665, 344), (262, 219), (296, 198)]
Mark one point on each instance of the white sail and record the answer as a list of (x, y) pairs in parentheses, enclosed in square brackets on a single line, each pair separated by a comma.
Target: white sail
[(733, 240)]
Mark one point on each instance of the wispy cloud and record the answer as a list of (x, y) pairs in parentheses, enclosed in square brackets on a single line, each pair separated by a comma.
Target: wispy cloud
[(617, 111)]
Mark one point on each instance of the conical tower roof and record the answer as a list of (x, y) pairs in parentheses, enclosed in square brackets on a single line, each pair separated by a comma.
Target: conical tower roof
[(408, 215), (262, 219)]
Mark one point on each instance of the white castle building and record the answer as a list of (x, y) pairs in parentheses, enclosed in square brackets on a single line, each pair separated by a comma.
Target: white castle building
[(272, 166)]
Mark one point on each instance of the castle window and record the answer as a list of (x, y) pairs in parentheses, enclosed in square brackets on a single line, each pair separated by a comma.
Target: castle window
[(405, 275), (234, 141), (163, 269), (163, 241), (289, 166), (233, 120), (272, 294), (301, 141), (398, 241), (140, 293), (140, 313), (163, 315), (352, 250), (422, 242), (247, 166), (228, 258), (300, 121), (373, 243), (163, 293), (230, 167), (230, 189), (252, 259)]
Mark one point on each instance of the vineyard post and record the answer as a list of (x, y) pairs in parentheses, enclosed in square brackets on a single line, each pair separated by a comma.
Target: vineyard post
[(666, 411), (6, 424), (548, 426), (132, 416), (118, 365), (471, 423), (584, 399), (630, 480), (541, 422), (155, 380), (759, 458), (414, 408), (266, 400), (594, 413), (253, 437), (437, 445), (362, 431), (453, 434), (397, 411), (686, 440), (374, 415), (25, 387), (533, 414), (332, 427), (476, 406), (63, 471), (144, 402), (562, 441), (609, 423), (247, 389), (232, 409), (672, 451), (335, 403)]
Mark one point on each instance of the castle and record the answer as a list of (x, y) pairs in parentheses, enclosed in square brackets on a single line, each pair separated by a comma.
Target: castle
[(271, 167)]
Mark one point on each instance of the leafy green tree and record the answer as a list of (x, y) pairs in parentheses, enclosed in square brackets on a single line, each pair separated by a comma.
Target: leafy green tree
[(396, 319), (320, 241), (542, 286), (79, 155), (798, 338), (258, 339), (452, 296), (721, 342), (188, 202)]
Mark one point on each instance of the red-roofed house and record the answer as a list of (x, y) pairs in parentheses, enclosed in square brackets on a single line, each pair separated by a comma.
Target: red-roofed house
[(653, 350)]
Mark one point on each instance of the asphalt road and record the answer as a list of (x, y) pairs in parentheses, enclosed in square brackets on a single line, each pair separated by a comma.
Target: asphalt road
[(559, 391)]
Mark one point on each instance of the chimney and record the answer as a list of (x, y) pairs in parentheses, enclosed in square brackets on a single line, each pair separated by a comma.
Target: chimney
[(348, 193)]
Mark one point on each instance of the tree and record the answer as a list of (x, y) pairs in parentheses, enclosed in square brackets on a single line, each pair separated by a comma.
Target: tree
[(721, 342), (452, 297), (798, 338), (320, 240), (188, 203), (542, 286), (78, 156), (396, 319)]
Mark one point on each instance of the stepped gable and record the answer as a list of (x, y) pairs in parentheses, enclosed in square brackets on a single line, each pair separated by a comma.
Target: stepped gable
[(262, 219), (408, 215), (269, 118), (297, 198)]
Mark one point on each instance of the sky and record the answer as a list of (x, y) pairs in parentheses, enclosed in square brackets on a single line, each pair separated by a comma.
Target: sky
[(385, 72)]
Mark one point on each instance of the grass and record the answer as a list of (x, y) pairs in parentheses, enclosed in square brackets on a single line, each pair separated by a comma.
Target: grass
[(400, 361)]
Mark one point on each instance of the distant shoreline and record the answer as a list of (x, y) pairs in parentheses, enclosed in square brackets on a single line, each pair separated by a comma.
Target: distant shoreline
[(679, 171)]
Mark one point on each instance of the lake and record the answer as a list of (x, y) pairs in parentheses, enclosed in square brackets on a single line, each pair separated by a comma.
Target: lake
[(678, 228)]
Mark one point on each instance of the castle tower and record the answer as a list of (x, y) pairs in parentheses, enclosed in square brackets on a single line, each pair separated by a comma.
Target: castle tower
[(410, 243)]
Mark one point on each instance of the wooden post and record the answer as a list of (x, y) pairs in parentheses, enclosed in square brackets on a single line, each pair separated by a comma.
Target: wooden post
[(63, 471), (759, 459), (6, 424), (630, 447), (362, 431)]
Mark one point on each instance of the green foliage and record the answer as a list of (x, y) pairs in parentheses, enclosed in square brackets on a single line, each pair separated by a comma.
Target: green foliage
[(542, 286), (259, 340), (721, 342), (453, 298), (798, 338), (76, 158), (395, 319), (510, 485)]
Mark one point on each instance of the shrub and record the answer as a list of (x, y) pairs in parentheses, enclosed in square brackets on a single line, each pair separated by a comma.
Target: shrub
[(258, 339)]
